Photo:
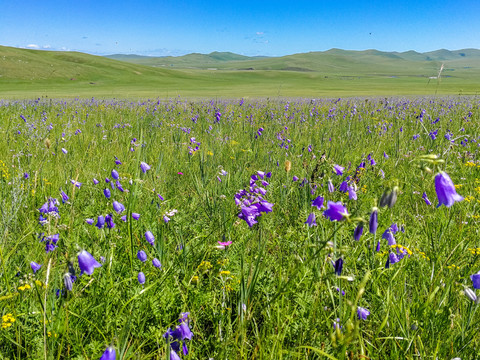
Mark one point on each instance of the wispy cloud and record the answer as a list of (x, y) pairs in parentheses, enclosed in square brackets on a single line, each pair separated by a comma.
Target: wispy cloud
[(46, 47), (260, 33), (32, 46)]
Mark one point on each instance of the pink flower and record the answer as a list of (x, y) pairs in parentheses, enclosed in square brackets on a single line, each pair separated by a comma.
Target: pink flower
[(223, 244), (180, 173)]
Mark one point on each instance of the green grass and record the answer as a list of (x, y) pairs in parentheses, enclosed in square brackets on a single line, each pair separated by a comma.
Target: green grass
[(339, 73), (273, 292)]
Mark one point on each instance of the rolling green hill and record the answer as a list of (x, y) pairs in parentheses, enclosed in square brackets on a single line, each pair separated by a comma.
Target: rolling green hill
[(336, 72)]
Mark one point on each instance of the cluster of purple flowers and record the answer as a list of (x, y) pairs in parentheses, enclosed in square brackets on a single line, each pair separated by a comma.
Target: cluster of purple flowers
[(181, 333), (194, 146), (251, 201)]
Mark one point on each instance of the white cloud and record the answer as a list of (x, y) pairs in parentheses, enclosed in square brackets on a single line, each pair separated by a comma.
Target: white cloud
[(260, 33), (46, 47), (33, 46)]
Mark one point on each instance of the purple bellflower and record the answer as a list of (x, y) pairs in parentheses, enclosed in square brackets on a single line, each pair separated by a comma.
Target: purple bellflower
[(446, 192), (318, 202), (144, 167), (476, 280), (150, 238), (87, 262), (335, 211), (109, 354), (337, 169), (115, 174), (362, 313), (141, 278), (118, 207), (142, 256), (35, 267)]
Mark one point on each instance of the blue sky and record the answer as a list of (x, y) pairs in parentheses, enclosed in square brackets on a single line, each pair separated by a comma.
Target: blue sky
[(271, 28)]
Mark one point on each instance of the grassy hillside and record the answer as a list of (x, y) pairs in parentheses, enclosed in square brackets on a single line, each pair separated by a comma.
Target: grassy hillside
[(35, 73)]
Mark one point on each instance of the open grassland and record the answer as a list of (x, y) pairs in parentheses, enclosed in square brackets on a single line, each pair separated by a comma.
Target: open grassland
[(33, 74), (291, 229)]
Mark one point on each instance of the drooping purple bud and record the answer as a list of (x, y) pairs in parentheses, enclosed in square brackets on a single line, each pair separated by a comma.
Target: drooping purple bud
[(338, 266), (118, 207), (156, 263), (373, 224), (362, 313), (144, 167), (311, 220), (115, 174), (141, 278), (142, 256), (35, 267), (150, 238), (357, 233), (107, 193)]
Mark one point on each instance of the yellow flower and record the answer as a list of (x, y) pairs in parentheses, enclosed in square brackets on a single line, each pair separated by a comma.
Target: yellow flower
[(224, 272), (210, 153), (7, 320)]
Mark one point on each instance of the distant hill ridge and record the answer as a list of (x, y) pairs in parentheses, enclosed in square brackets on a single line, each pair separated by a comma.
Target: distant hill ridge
[(232, 61)]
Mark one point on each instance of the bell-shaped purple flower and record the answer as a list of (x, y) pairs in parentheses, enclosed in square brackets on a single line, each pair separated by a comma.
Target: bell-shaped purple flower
[(141, 278), (100, 222), (150, 238), (331, 188), (64, 197), (318, 202), (67, 282), (337, 169), (35, 267), (343, 186), (142, 256), (446, 192), (95, 181), (388, 235), (311, 220), (107, 193), (156, 263), (109, 354), (352, 194), (89, 221), (476, 280), (362, 313), (135, 216), (87, 263), (393, 258), (115, 174), (109, 221), (335, 211), (144, 167), (118, 207)]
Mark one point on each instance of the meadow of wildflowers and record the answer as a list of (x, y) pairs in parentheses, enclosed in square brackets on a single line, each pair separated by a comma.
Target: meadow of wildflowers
[(225, 229)]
